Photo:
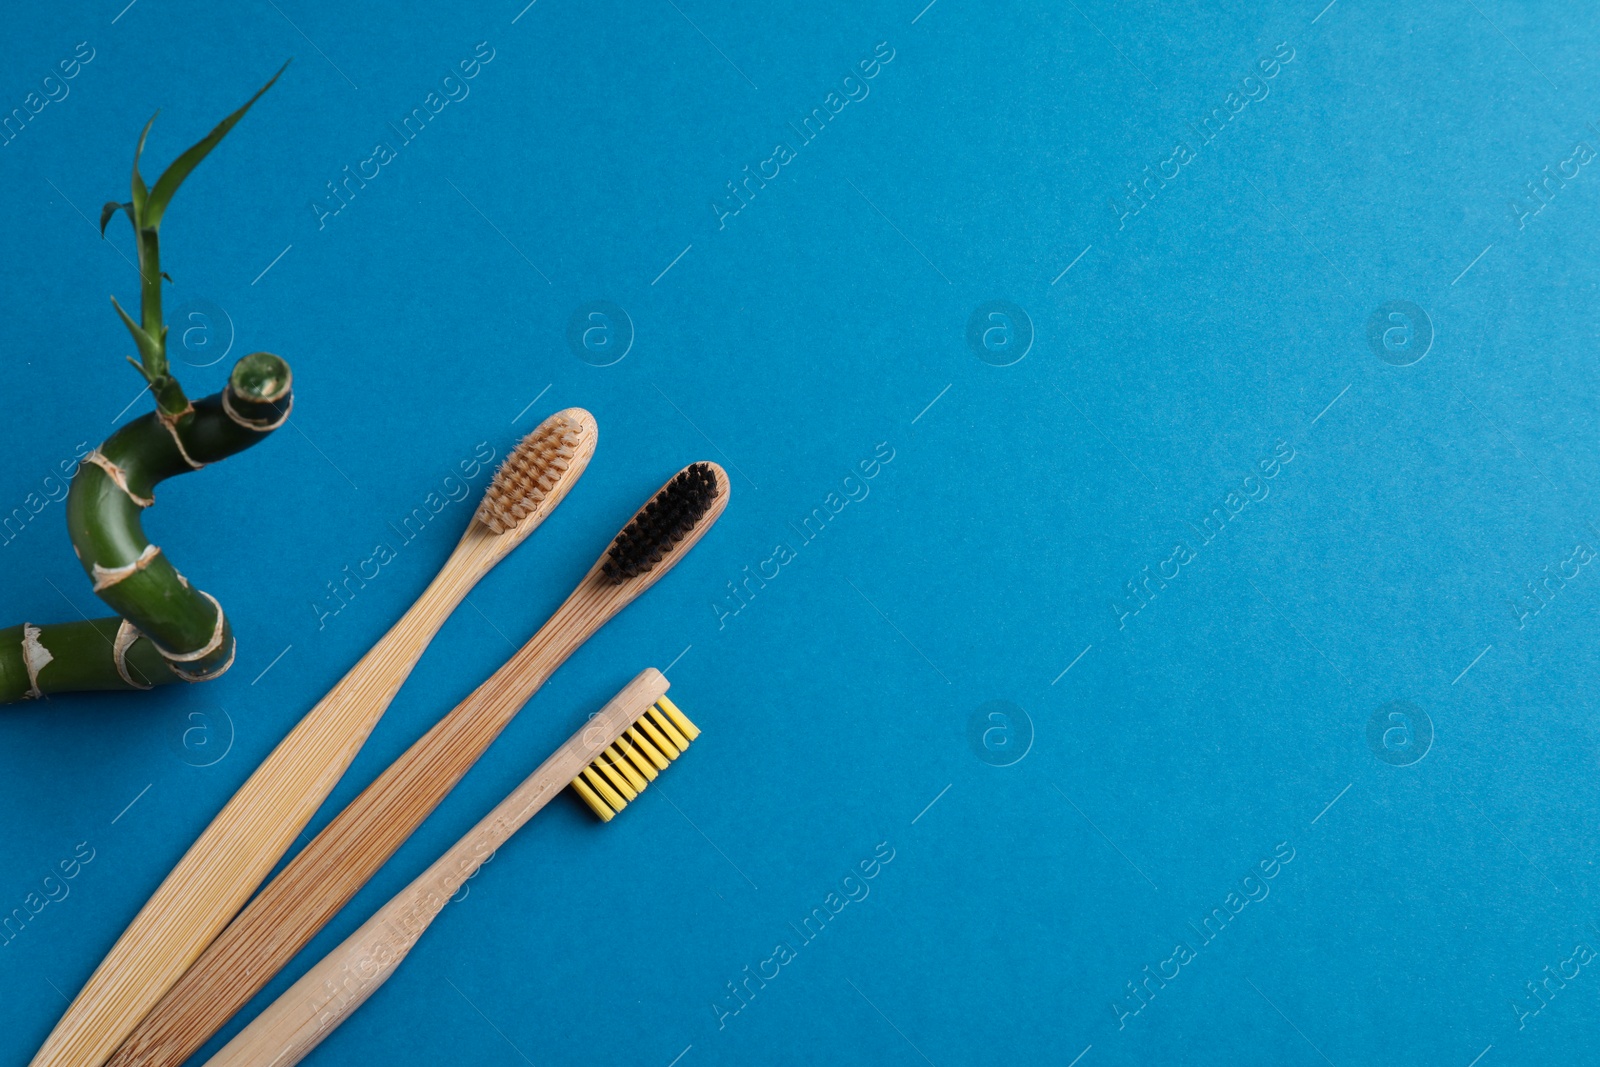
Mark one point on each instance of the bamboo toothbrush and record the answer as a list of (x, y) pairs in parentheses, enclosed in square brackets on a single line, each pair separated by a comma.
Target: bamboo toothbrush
[(319, 881), (226, 863), (618, 753)]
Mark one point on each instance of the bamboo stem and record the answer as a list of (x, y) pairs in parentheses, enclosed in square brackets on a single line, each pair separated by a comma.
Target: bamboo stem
[(116, 483), (83, 656), (155, 364)]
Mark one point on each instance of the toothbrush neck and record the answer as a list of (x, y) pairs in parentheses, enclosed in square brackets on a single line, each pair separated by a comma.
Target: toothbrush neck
[(592, 604)]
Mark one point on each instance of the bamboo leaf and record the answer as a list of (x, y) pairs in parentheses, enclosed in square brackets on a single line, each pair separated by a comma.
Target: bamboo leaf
[(136, 365), (161, 195), (111, 208), (144, 341), (140, 193)]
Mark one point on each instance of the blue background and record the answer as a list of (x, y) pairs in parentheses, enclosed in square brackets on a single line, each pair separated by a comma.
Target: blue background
[(846, 704)]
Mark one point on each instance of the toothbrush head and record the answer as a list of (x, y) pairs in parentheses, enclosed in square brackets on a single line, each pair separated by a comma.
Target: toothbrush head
[(668, 519), (537, 474), (620, 773)]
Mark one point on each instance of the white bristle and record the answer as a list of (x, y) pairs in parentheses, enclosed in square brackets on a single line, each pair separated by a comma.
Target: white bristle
[(529, 473)]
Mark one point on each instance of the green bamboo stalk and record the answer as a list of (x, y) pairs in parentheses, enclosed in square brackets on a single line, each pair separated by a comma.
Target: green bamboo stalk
[(81, 656), (165, 630)]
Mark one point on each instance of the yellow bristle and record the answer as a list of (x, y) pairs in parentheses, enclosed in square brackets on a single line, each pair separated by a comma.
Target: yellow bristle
[(602, 787), (595, 803), (615, 776), (679, 719), (660, 719), (620, 761), (621, 772), (637, 759), (658, 737), (649, 749)]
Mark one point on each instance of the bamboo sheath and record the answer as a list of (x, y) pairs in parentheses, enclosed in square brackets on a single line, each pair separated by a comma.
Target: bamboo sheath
[(319, 881), (308, 1011), (241, 845)]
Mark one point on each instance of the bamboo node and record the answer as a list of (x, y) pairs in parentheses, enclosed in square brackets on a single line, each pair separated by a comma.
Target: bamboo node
[(35, 657), (106, 577), (127, 634), (201, 652), (171, 423), (206, 675), (258, 425), (118, 476)]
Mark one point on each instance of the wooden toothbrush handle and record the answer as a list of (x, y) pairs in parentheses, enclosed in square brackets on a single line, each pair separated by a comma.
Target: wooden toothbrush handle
[(241, 845), (322, 878), (327, 873), (308, 1011)]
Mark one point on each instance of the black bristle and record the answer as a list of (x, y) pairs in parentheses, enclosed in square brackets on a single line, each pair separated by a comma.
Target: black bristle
[(662, 523)]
